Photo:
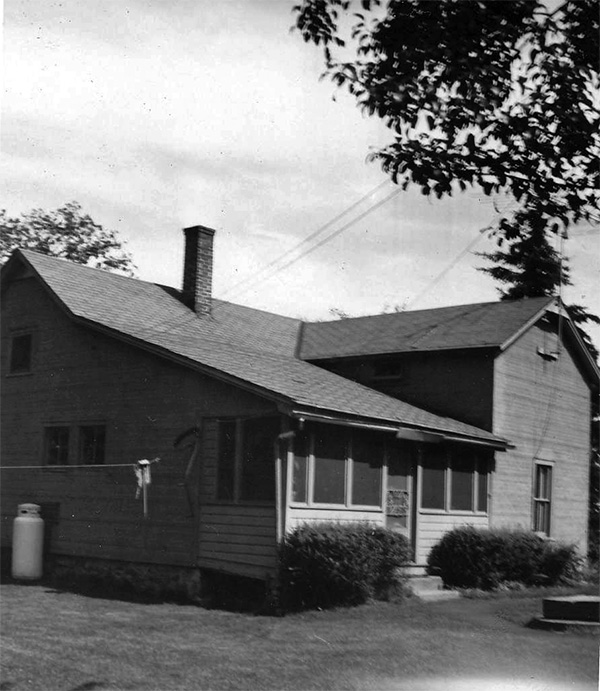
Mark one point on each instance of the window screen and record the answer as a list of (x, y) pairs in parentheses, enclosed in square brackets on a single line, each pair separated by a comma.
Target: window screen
[(300, 469), (226, 462), (482, 486), (461, 483), (330, 467), (258, 459), (367, 461), (433, 479)]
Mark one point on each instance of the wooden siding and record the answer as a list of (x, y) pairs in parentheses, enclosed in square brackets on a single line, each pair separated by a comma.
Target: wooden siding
[(543, 407), (456, 384), (238, 539), (432, 526), (297, 516), (82, 377)]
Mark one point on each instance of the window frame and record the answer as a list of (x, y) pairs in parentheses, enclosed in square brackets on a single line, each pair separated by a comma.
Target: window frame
[(237, 466), (74, 443), (482, 466), (21, 333), (539, 500), (349, 463), (47, 430)]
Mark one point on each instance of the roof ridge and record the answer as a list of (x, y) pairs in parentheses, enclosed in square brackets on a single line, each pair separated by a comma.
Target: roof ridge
[(432, 309)]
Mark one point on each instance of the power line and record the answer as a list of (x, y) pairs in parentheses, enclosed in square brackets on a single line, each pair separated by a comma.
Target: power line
[(326, 239), (306, 240)]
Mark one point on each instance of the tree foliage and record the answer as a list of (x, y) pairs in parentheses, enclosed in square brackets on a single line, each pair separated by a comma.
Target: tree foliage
[(68, 233), (501, 95)]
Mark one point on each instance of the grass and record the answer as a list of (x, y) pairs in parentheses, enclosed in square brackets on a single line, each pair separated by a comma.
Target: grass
[(55, 640)]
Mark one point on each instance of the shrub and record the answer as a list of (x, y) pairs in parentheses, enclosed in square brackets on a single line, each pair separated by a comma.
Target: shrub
[(470, 558), (329, 564)]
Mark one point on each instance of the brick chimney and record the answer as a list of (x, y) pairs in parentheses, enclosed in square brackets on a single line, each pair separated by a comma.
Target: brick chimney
[(197, 269)]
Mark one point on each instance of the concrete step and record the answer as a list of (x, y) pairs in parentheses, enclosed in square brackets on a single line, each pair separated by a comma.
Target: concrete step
[(430, 588), (583, 608)]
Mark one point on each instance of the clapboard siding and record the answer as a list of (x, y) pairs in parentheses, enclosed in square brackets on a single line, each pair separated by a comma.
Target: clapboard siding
[(235, 535), (432, 526), (82, 377), (543, 407), (298, 516), (457, 384)]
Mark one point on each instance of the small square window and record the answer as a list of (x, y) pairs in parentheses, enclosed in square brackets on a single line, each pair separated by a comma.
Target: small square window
[(56, 446), (20, 354), (91, 444)]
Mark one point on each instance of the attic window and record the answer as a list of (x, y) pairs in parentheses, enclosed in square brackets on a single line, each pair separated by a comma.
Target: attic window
[(20, 353)]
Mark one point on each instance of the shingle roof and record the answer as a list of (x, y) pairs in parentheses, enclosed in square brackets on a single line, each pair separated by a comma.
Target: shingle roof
[(237, 343), (487, 324)]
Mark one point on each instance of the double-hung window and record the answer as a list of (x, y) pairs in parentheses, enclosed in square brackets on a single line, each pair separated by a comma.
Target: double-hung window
[(542, 498), (74, 445), (21, 353)]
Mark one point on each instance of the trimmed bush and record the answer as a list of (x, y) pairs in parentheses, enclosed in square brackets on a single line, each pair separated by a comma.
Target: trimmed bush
[(328, 564), (470, 558)]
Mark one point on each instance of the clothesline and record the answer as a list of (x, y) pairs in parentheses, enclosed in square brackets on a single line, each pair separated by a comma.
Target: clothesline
[(65, 467)]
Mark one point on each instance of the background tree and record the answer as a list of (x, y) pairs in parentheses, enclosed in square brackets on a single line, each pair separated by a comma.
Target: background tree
[(529, 266), (66, 232), (502, 95)]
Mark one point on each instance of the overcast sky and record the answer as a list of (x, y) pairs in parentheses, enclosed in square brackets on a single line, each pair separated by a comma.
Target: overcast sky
[(158, 114)]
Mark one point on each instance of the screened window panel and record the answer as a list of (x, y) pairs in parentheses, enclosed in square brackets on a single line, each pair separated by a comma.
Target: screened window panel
[(367, 462), (226, 460), (258, 459), (482, 487), (330, 468), (300, 468), (462, 484), (433, 479)]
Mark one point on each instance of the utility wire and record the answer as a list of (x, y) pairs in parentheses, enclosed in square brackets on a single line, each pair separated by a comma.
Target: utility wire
[(306, 240), (324, 240)]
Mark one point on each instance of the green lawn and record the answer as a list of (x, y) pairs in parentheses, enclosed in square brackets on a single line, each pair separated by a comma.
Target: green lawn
[(62, 641)]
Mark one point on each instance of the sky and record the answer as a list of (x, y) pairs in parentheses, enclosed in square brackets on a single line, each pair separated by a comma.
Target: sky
[(160, 114)]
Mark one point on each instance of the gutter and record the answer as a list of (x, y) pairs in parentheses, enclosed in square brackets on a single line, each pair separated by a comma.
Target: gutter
[(402, 431)]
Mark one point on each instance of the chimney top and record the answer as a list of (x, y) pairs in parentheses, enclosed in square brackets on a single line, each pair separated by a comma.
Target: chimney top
[(197, 269)]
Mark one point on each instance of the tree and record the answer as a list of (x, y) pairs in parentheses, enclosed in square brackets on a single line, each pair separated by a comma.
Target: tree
[(502, 95), (66, 232)]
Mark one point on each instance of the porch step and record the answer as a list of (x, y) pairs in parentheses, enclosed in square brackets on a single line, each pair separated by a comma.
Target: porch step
[(569, 613), (430, 588)]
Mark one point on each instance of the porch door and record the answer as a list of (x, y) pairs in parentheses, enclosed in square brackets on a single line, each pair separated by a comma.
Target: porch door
[(400, 492)]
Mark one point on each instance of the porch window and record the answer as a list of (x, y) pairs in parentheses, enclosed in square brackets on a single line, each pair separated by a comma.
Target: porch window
[(258, 459), (542, 498), (367, 457), (433, 479), (330, 468), (246, 459), (454, 479), (337, 466), (300, 468), (56, 445)]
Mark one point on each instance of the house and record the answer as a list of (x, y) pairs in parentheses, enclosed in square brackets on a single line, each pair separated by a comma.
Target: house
[(263, 422)]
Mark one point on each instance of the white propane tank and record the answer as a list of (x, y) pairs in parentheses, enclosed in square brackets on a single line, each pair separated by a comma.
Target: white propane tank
[(28, 543)]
